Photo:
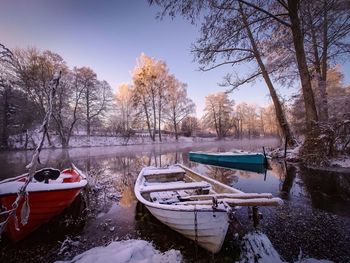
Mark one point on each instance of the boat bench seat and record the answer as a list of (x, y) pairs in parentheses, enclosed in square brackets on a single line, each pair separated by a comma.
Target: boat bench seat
[(174, 186), (167, 197)]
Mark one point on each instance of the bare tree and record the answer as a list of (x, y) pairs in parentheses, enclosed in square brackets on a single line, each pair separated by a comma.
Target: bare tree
[(35, 69), (124, 116), (66, 109), (179, 106), (97, 95), (189, 125), (231, 35), (149, 78), (218, 113), (6, 59), (326, 25)]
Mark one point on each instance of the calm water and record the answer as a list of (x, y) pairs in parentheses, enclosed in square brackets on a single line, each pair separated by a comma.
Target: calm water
[(314, 219)]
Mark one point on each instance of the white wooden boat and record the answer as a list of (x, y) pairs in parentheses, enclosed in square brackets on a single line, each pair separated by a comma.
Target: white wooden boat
[(192, 204)]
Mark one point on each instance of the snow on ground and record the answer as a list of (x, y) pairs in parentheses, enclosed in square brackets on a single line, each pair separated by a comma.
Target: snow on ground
[(127, 251), (343, 161), (78, 141), (257, 248), (18, 141), (292, 153)]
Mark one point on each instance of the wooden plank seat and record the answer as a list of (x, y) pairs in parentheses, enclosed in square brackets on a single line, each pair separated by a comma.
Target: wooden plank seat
[(173, 186), (164, 171), (164, 175), (168, 197)]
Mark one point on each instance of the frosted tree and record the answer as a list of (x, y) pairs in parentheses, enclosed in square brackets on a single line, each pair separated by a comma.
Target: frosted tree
[(68, 105), (189, 126), (249, 119), (231, 35), (97, 95), (326, 27), (218, 113), (124, 117), (178, 105), (34, 69), (149, 78)]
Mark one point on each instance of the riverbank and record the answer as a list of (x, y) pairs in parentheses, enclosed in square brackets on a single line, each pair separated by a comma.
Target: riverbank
[(19, 142)]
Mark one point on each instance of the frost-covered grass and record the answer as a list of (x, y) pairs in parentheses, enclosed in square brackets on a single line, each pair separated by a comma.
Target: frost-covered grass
[(343, 161), (127, 251)]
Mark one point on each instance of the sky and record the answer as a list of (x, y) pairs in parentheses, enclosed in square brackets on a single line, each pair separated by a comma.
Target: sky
[(108, 36)]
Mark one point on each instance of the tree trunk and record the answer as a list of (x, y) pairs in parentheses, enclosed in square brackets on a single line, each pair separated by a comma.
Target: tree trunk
[(159, 117), (148, 121), (26, 141), (4, 131), (175, 128), (160, 105), (154, 117), (64, 142), (48, 139), (298, 40), (320, 68), (241, 129), (87, 112), (323, 84), (281, 118)]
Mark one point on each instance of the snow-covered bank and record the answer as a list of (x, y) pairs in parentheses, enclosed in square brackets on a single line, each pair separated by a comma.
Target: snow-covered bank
[(257, 248), (18, 143), (80, 141), (127, 251), (292, 154), (343, 161)]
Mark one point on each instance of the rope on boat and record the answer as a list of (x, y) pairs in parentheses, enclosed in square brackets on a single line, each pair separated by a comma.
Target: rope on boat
[(22, 192)]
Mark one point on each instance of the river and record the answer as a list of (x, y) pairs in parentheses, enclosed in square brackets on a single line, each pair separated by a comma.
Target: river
[(314, 219)]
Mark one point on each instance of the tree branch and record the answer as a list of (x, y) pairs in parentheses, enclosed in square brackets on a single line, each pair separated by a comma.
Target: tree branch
[(265, 12), (227, 62)]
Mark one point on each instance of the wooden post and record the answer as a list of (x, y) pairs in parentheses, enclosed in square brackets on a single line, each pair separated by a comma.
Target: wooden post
[(265, 155), (256, 217)]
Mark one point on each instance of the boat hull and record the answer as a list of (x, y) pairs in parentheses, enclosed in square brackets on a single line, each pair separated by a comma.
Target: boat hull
[(226, 159), (43, 207), (256, 168), (211, 225)]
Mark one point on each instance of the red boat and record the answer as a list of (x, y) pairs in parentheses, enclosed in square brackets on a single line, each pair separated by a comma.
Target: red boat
[(49, 193)]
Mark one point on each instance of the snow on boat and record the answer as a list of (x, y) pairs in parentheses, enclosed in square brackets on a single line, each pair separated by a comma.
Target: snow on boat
[(194, 205), (227, 158), (49, 193)]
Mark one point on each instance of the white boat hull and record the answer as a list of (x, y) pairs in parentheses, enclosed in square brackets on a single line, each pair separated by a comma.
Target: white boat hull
[(211, 225)]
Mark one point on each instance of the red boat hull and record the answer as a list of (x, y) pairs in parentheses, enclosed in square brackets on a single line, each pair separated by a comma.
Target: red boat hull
[(44, 205)]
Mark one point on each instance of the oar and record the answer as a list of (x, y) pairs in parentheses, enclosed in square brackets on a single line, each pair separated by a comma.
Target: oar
[(227, 195), (238, 202)]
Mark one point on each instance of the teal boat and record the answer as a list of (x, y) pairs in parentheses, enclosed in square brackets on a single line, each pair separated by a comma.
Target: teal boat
[(256, 168), (229, 158)]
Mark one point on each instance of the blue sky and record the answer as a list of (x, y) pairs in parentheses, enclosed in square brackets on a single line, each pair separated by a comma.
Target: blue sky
[(109, 36)]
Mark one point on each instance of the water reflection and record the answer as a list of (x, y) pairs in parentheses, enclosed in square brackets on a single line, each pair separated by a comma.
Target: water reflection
[(328, 190), (112, 211)]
